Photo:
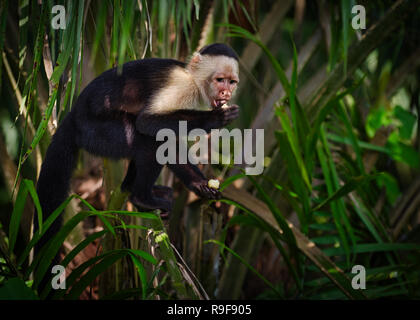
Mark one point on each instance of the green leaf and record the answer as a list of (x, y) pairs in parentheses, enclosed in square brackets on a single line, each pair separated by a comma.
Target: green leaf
[(50, 249), (374, 247), (229, 180), (299, 119), (268, 283), (351, 185), (400, 151), (302, 206), (323, 226), (344, 116), (237, 31), (47, 223), (100, 28), (93, 273), (285, 230), (76, 273), (332, 183), (345, 19), (390, 184), (325, 240), (320, 118), (64, 55), (126, 22), (17, 215), (143, 215), (142, 275), (377, 118), (288, 234), (146, 256), (31, 188), (42, 126), (310, 250), (294, 144), (16, 289), (362, 144), (72, 254), (408, 121), (335, 41), (77, 49)]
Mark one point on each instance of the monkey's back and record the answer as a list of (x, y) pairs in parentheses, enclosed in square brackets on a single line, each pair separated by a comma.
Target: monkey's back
[(127, 90)]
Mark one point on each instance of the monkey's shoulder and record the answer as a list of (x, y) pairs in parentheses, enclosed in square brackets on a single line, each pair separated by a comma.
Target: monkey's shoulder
[(150, 67), (179, 93)]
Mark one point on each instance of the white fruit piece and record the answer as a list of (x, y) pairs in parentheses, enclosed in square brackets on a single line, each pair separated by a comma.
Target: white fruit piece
[(214, 183), (225, 106)]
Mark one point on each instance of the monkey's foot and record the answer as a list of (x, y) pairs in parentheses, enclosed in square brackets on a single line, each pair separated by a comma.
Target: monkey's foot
[(152, 204), (165, 193)]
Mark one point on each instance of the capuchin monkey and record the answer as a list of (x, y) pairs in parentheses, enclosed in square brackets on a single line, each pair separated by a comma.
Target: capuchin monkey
[(119, 114)]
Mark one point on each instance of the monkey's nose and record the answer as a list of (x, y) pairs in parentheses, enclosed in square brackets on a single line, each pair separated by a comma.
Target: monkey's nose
[(225, 94)]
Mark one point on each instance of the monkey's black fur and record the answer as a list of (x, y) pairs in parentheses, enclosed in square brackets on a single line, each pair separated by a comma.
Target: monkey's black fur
[(109, 120), (217, 49)]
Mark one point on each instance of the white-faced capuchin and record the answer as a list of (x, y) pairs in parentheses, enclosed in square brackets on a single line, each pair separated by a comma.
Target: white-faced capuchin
[(119, 113)]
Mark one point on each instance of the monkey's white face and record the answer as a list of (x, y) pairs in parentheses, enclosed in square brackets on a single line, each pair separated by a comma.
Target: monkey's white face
[(217, 76), (223, 85), (223, 81)]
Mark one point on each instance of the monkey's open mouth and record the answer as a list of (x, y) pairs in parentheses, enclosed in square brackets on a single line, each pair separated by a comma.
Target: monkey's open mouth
[(219, 103)]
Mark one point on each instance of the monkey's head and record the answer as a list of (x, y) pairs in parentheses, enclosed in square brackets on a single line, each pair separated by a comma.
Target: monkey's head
[(216, 72)]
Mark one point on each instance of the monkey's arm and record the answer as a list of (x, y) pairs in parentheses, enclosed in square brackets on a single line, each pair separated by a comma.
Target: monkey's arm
[(150, 124), (194, 180)]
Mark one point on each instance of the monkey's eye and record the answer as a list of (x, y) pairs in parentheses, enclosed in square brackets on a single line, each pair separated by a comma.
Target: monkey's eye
[(233, 82), (219, 79)]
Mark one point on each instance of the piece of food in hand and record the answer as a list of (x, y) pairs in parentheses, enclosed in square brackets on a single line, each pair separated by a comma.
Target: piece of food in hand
[(214, 183), (225, 106)]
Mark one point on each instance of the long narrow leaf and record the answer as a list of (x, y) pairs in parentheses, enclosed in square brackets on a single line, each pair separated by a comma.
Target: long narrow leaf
[(17, 215), (351, 185), (268, 283)]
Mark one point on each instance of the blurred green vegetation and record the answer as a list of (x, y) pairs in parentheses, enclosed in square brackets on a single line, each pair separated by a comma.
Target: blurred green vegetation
[(341, 187)]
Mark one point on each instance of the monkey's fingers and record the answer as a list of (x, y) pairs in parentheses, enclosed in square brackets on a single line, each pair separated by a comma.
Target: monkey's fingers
[(230, 115), (233, 114), (234, 109), (216, 195), (210, 193)]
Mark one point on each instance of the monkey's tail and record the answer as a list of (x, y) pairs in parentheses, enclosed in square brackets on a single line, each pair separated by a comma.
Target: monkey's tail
[(54, 178)]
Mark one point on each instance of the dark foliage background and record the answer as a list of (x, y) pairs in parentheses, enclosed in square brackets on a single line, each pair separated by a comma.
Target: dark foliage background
[(341, 184)]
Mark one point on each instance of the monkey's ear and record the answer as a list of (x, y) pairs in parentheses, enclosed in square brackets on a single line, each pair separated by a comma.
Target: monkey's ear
[(195, 60)]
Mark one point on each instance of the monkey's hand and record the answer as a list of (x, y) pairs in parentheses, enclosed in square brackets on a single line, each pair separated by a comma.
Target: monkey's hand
[(224, 116), (203, 190)]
